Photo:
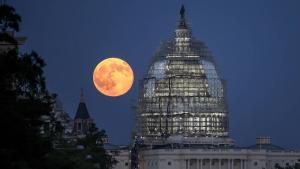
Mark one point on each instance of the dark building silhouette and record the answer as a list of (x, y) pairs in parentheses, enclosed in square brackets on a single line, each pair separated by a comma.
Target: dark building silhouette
[(82, 121), (5, 45)]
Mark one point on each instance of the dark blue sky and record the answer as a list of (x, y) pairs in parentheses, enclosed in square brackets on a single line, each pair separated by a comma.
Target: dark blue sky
[(255, 44)]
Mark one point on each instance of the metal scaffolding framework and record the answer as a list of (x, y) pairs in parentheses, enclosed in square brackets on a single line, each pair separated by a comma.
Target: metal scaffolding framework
[(182, 92)]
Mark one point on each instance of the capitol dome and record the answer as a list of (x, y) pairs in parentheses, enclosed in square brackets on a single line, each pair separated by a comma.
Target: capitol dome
[(182, 93)]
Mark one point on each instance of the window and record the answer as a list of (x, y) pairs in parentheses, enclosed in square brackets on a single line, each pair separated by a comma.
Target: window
[(255, 163), (126, 164), (169, 163), (79, 126)]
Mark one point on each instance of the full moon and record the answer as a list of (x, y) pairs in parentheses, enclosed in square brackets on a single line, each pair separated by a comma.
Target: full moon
[(113, 77)]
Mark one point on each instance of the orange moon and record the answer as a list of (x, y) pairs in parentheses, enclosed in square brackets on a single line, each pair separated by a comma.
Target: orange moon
[(113, 77)]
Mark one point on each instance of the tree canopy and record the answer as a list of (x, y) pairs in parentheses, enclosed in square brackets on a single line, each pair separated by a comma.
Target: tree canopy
[(9, 19), (24, 100)]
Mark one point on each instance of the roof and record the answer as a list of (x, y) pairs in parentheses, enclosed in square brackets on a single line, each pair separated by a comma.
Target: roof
[(266, 147), (108, 146), (82, 112)]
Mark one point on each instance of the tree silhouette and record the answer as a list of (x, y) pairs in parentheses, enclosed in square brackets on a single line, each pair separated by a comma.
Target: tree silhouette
[(24, 101), (9, 19)]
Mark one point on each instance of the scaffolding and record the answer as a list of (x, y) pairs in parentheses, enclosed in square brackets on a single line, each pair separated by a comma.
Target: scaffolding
[(182, 92)]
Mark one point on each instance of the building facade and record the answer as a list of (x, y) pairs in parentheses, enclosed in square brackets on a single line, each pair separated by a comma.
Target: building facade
[(198, 158), (182, 92), (63, 118), (182, 116)]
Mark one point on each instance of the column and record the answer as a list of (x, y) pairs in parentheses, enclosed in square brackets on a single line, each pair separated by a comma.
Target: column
[(200, 163), (241, 161), (197, 163), (188, 163), (232, 166), (228, 163), (185, 163), (209, 163), (245, 163), (220, 163)]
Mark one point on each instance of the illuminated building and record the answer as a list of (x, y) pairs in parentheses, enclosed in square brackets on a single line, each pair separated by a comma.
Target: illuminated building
[(182, 93), (182, 117)]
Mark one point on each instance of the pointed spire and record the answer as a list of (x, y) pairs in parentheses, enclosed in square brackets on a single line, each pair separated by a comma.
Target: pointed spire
[(81, 95), (82, 112), (182, 22), (182, 11)]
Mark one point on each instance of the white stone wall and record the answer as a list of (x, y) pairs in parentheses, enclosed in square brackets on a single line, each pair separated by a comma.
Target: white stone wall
[(123, 158), (211, 159)]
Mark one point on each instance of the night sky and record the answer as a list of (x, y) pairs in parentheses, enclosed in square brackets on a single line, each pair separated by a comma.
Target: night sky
[(255, 45)]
